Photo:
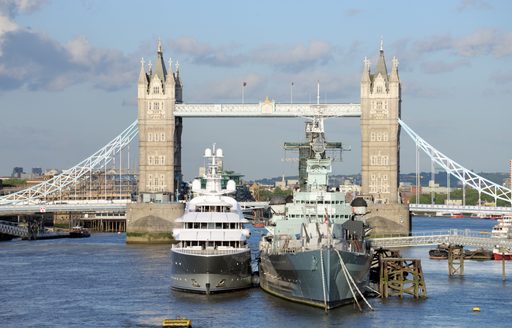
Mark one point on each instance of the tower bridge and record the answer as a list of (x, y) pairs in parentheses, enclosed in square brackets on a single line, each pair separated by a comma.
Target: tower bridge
[(159, 124)]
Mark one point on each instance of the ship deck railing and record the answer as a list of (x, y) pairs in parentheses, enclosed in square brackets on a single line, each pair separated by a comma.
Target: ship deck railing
[(279, 249), (209, 251)]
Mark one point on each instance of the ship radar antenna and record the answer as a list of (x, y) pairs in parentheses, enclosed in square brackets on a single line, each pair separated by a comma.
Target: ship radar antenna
[(318, 92)]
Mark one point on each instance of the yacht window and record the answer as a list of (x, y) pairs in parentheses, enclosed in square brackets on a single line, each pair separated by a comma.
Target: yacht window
[(196, 225), (225, 226), (232, 226), (211, 225), (203, 225), (218, 225)]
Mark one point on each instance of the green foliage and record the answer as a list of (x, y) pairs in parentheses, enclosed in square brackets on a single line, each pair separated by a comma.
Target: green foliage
[(13, 182), (281, 192), (427, 199), (471, 198), (264, 195)]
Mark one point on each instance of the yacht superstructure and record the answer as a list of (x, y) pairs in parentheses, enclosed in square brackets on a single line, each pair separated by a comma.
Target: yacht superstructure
[(212, 254)]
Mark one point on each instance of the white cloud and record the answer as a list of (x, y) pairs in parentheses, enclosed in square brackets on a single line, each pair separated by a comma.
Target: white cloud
[(6, 25), (11, 8), (482, 42), (503, 77), (35, 61), (294, 58), (438, 66), (284, 57), (203, 53), (434, 44), (14, 7), (353, 12), (477, 4), (230, 88)]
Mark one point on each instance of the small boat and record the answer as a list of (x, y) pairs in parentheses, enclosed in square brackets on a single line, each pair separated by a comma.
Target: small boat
[(79, 232), (478, 254), (503, 229), (502, 254), (457, 215), (259, 225), (438, 253)]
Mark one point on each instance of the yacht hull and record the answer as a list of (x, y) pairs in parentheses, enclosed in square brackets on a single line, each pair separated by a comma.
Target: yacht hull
[(210, 273), (298, 276)]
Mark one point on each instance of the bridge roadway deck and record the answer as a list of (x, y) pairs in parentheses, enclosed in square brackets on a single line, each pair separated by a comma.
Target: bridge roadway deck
[(464, 237), (99, 206), (267, 109)]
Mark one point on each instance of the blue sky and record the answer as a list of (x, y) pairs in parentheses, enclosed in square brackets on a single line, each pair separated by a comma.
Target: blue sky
[(68, 73)]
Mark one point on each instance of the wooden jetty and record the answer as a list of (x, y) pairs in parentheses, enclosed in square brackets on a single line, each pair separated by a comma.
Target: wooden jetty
[(399, 276)]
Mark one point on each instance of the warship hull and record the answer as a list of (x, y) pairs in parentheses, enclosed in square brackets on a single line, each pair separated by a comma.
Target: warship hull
[(210, 273), (299, 276)]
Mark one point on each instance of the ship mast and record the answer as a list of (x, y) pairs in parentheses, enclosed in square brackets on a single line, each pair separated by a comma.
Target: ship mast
[(213, 176)]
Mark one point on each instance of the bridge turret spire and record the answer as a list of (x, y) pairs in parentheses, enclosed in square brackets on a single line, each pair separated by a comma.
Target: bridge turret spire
[(381, 63), (160, 70), (159, 46), (170, 66), (179, 85), (366, 70), (394, 71), (143, 78)]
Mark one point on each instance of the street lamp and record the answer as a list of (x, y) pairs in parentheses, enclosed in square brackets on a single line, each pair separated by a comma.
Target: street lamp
[(291, 93), (243, 89)]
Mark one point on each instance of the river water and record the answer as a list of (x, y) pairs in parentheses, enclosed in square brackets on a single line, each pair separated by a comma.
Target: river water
[(102, 282)]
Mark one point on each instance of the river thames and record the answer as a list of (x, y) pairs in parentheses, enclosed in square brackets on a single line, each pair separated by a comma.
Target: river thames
[(102, 282)]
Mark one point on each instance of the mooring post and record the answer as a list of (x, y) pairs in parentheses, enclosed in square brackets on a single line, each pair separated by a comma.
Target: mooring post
[(455, 260), (503, 277)]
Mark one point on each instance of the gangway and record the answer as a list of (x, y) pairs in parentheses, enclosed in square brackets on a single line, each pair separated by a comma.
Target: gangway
[(12, 229), (466, 237)]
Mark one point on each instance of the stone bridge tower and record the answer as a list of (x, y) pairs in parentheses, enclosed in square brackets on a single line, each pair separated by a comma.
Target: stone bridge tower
[(380, 145), (159, 131), (380, 132)]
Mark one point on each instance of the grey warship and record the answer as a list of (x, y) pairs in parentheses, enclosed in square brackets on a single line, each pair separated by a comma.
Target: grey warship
[(212, 254), (315, 252)]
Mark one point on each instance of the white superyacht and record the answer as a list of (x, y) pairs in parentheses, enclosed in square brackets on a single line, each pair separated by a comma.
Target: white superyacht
[(212, 254)]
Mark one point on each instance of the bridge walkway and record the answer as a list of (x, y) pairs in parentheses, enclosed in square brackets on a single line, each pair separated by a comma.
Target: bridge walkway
[(10, 228), (466, 237)]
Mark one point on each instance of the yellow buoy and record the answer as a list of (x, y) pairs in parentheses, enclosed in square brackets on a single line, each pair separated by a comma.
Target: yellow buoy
[(476, 309), (180, 322)]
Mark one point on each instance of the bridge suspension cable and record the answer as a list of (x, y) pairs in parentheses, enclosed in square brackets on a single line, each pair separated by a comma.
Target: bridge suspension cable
[(467, 177), (60, 182)]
